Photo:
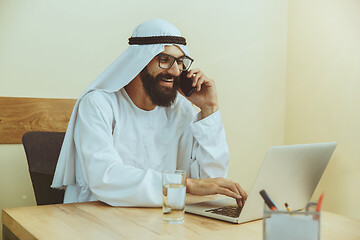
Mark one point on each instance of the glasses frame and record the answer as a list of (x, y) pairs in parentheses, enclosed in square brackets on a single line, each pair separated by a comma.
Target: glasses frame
[(175, 59)]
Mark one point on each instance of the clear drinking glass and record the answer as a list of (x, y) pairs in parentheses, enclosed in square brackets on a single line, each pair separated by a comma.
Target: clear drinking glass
[(174, 191)]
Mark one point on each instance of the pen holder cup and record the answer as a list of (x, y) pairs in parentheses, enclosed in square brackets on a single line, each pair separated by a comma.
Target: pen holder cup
[(294, 225)]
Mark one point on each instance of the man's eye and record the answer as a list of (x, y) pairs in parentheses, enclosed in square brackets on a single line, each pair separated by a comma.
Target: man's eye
[(164, 59)]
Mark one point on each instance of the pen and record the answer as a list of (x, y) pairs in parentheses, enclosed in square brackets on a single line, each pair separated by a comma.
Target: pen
[(268, 201)]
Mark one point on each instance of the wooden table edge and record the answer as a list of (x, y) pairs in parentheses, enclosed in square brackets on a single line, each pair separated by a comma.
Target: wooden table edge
[(19, 231)]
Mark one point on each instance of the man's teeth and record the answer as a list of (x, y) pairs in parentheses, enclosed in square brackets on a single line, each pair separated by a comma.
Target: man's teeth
[(168, 80)]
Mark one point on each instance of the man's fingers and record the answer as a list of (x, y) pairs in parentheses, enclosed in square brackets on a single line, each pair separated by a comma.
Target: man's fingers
[(239, 202), (196, 77), (230, 185), (199, 83), (192, 72), (219, 186), (235, 188), (242, 191), (229, 193)]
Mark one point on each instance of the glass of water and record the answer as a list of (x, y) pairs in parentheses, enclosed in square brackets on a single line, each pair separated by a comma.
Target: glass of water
[(174, 191)]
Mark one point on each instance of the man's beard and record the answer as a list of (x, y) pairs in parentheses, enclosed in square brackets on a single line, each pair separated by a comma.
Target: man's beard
[(160, 95)]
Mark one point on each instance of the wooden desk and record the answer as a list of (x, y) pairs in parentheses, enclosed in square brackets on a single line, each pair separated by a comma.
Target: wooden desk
[(96, 220)]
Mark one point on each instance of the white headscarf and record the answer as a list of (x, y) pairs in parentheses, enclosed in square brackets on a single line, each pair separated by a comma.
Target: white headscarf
[(124, 69)]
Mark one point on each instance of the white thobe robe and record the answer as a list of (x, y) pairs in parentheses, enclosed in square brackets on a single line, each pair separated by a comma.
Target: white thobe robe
[(121, 149)]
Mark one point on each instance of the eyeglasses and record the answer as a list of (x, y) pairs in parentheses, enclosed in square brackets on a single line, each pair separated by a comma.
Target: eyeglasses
[(166, 61)]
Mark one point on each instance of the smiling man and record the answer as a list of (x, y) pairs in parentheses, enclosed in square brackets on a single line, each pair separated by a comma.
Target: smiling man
[(132, 123)]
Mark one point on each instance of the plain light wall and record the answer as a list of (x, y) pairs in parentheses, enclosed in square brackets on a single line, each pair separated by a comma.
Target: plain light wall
[(323, 86), (57, 48)]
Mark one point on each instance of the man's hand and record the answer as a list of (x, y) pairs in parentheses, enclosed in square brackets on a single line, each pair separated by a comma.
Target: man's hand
[(204, 97), (209, 186)]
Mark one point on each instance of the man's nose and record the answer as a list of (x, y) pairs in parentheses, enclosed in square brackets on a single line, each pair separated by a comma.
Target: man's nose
[(174, 70)]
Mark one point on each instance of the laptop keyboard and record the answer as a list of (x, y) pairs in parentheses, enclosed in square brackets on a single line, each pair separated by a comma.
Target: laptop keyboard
[(230, 211)]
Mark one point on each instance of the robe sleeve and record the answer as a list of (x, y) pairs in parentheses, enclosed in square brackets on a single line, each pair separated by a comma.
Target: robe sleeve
[(108, 178), (209, 155)]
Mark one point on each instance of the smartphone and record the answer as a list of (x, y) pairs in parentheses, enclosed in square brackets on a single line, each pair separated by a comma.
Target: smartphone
[(186, 84)]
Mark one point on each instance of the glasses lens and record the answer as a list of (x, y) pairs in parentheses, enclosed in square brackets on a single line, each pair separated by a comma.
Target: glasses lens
[(186, 63), (165, 61)]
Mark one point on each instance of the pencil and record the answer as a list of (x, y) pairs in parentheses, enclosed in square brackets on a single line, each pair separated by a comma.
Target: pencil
[(287, 207), (319, 203)]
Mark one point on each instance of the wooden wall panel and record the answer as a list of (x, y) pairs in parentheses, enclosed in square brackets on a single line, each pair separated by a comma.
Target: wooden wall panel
[(20, 115)]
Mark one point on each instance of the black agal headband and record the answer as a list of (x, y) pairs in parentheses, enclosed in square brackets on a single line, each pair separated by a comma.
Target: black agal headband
[(157, 40)]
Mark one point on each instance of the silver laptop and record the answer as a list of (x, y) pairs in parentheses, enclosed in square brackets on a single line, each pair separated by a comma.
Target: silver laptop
[(289, 174)]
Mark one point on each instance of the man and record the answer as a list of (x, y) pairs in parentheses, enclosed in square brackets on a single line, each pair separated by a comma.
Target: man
[(131, 124)]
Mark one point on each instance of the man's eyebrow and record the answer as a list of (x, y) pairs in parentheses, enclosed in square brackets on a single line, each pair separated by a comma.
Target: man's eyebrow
[(172, 55)]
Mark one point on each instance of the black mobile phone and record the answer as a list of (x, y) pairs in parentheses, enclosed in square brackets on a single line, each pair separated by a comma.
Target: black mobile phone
[(186, 84)]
